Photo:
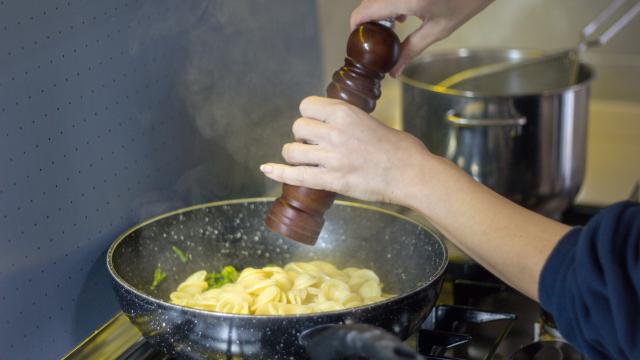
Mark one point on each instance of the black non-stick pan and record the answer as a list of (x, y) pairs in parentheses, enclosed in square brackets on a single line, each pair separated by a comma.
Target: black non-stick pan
[(409, 258)]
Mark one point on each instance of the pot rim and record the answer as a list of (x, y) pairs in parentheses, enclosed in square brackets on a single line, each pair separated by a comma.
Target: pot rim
[(465, 52), (344, 312)]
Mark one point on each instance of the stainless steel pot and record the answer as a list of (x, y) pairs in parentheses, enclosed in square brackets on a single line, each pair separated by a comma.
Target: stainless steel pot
[(522, 133)]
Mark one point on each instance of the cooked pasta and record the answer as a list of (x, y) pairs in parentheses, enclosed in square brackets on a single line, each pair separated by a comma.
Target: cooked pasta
[(296, 288)]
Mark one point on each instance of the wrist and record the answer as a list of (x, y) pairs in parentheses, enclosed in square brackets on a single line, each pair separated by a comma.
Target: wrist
[(415, 183), (433, 183)]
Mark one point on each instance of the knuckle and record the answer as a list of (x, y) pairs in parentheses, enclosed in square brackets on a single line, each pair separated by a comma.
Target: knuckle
[(306, 107), (443, 34), (304, 103), (353, 19), (335, 136), (441, 30), (343, 112), (279, 173), (343, 108), (293, 152), (283, 174), (297, 125), (286, 151), (304, 175), (289, 177), (414, 141), (447, 29), (334, 161)]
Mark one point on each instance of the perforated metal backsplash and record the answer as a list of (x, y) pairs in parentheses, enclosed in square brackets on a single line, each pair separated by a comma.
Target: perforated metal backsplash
[(114, 111)]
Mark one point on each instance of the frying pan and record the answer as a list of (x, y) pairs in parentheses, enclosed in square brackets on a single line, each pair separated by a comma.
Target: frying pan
[(409, 258)]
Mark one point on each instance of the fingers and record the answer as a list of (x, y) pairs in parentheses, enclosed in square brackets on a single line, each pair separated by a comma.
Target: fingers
[(319, 108), (371, 10), (310, 131), (331, 111), (307, 176), (304, 154)]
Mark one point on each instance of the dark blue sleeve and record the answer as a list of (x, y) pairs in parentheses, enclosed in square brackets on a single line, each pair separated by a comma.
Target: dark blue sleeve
[(591, 284)]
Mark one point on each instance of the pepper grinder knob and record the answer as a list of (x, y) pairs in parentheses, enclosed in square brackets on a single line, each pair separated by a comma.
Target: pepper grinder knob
[(372, 51)]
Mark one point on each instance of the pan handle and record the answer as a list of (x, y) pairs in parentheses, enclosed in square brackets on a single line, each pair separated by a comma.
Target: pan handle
[(329, 342)]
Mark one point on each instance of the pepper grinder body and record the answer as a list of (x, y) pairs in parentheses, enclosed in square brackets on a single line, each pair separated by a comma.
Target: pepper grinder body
[(372, 51)]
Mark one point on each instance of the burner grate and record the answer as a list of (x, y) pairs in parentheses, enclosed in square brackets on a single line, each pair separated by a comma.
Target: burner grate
[(445, 333)]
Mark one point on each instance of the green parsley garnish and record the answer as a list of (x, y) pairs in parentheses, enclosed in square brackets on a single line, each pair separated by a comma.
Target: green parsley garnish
[(158, 276), (228, 275), (180, 253)]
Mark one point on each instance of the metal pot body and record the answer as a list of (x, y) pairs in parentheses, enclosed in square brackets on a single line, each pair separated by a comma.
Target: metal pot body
[(521, 134), (409, 258)]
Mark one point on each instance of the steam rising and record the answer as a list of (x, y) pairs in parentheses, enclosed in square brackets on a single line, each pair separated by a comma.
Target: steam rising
[(246, 66)]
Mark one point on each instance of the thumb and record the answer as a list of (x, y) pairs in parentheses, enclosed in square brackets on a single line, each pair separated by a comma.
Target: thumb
[(413, 45)]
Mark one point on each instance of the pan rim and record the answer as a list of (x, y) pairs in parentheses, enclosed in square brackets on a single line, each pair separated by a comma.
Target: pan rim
[(344, 312)]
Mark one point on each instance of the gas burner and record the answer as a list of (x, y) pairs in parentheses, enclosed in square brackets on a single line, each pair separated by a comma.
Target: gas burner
[(445, 331)]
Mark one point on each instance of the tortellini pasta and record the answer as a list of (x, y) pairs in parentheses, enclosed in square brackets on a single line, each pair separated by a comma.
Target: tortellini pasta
[(296, 288)]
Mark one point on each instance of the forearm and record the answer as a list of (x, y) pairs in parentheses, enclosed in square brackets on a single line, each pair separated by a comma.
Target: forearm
[(510, 241)]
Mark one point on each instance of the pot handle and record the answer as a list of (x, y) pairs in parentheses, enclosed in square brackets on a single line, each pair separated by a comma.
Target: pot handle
[(329, 342), (466, 122)]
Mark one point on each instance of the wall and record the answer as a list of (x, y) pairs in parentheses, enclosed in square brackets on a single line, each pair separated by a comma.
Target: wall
[(114, 111)]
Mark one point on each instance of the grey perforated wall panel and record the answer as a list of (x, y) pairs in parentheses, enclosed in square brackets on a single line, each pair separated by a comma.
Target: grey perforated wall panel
[(114, 111)]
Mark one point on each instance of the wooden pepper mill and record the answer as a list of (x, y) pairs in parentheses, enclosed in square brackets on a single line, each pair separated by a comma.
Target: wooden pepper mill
[(372, 50)]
